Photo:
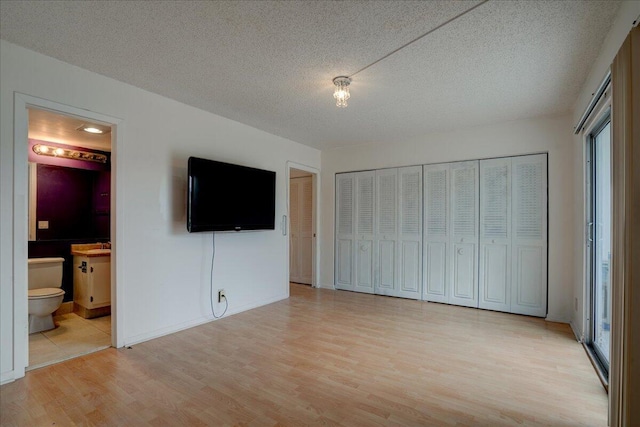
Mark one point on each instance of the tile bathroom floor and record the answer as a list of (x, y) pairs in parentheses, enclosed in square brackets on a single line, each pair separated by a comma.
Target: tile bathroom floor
[(72, 337)]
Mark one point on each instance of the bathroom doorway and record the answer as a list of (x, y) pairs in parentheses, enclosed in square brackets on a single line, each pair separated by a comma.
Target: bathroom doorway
[(69, 221), (302, 206)]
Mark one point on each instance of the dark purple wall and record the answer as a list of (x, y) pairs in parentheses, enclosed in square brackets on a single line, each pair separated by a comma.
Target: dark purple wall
[(76, 202), (65, 199)]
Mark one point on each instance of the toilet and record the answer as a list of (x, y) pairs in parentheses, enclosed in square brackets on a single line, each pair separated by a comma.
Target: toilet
[(45, 295)]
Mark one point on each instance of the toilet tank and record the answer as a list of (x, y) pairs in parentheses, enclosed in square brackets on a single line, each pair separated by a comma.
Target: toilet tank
[(45, 273)]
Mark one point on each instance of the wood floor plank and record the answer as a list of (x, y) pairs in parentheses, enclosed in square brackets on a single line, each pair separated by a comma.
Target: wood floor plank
[(327, 358)]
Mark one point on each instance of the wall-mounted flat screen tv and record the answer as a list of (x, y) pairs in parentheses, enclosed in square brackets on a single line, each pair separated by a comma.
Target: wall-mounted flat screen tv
[(227, 197)]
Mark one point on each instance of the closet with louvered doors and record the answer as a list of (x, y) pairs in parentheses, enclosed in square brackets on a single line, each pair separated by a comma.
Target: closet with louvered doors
[(513, 235), (451, 209), (364, 236), (379, 232), (398, 237), (345, 231), (355, 260)]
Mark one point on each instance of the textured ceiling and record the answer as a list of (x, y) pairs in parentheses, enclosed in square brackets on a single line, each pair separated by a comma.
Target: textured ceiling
[(270, 64)]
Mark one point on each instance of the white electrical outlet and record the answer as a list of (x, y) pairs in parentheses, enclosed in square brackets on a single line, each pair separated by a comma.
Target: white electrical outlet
[(221, 295)]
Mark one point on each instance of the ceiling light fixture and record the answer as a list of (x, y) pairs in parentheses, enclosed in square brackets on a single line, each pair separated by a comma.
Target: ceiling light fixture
[(94, 129), (47, 150), (341, 94)]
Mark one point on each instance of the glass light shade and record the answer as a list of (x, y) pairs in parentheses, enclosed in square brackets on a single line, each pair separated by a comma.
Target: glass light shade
[(341, 93)]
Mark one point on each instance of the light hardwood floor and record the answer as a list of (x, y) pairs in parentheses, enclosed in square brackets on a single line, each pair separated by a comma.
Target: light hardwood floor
[(326, 358)]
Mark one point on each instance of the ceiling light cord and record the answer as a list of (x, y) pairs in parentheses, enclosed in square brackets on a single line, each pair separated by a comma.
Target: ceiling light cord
[(421, 36)]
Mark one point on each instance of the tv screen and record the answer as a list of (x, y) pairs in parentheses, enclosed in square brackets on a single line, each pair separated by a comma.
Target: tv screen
[(227, 197)]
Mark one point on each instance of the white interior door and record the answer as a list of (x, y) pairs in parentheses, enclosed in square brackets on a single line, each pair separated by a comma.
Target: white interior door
[(364, 245), (436, 232), (495, 234), (410, 232), (345, 226), (529, 229), (386, 233), (463, 248)]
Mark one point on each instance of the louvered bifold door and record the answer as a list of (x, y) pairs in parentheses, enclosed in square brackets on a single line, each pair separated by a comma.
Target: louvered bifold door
[(410, 232), (345, 229), (294, 230), (436, 233), (305, 253), (386, 232), (364, 248), (495, 234), (529, 229), (463, 248)]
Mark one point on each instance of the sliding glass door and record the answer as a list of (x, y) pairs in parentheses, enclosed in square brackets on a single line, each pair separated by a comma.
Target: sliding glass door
[(599, 236)]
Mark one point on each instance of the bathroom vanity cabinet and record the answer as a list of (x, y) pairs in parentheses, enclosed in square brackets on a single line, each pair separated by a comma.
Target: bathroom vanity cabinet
[(92, 281)]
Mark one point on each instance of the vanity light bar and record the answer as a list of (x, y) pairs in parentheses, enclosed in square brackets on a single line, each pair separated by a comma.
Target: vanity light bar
[(47, 150)]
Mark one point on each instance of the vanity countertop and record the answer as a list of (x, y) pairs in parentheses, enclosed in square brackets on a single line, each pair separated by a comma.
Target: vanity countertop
[(90, 249)]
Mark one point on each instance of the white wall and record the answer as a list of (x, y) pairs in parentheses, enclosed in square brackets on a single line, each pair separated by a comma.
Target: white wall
[(551, 134), (628, 12), (165, 270)]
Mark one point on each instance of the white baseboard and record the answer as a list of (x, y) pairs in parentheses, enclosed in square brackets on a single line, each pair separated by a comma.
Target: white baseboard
[(556, 319), (7, 377), (578, 335), (137, 339)]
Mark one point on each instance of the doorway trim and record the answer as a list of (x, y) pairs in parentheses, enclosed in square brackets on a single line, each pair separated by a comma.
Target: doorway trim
[(22, 103), (315, 248)]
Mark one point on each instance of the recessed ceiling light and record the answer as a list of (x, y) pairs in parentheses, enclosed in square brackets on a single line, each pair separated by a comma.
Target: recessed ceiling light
[(94, 129)]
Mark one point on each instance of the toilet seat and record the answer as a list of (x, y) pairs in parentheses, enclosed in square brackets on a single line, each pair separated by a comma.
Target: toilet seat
[(45, 293)]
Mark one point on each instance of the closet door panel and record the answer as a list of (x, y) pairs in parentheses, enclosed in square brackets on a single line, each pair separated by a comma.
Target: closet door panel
[(386, 267), (345, 226), (464, 241), (344, 268), (365, 206), (410, 228), (365, 261), (435, 272), (495, 234), (436, 232), (410, 270), (386, 232), (527, 285), (494, 277), (529, 228), (464, 289)]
